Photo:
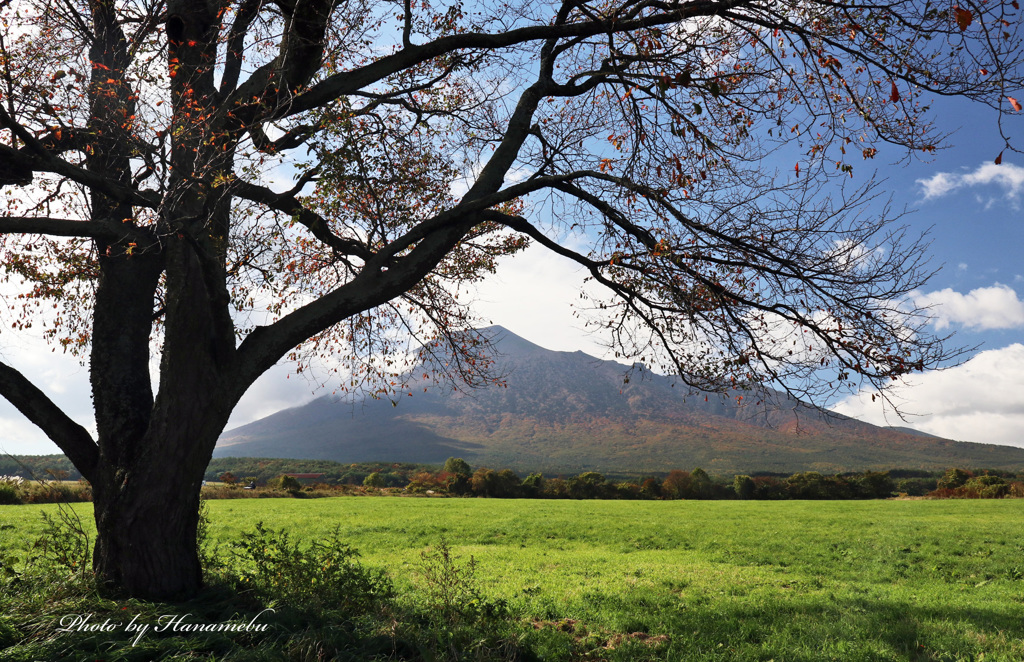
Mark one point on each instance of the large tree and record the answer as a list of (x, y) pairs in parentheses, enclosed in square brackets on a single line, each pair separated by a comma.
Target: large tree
[(227, 184)]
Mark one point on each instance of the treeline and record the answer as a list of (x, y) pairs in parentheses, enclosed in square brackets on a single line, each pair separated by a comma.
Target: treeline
[(38, 467), (262, 470), (457, 478)]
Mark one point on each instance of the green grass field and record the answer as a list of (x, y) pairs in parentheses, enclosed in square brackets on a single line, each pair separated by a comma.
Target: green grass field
[(693, 580)]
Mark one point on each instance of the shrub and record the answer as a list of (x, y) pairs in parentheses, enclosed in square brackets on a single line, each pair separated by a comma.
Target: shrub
[(986, 487), (426, 481), (952, 479), (9, 495), (286, 483), (49, 492), (64, 542), (324, 575)]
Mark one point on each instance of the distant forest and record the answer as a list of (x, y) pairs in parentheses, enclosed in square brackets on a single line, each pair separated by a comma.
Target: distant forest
[(457, 478)]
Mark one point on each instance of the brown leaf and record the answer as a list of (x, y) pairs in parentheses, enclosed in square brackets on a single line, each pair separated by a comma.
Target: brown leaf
[(964, 17), (999, 159), (895, 96), (1016, 104)]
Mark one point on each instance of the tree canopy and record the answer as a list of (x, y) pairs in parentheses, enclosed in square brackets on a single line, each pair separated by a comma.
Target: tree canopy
[(229, 183)]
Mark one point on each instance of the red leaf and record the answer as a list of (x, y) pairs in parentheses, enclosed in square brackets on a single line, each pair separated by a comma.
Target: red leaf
[(984, 72), (1016, 104), (797, 169), (999, 159), (1015, 4), (964, 17), (895, 96)]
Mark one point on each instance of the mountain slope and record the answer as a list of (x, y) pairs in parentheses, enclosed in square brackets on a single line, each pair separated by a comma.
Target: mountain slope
[(568, 412)]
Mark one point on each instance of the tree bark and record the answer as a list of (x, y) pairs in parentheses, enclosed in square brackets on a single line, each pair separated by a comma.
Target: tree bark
[(154, 451), (146, 520)]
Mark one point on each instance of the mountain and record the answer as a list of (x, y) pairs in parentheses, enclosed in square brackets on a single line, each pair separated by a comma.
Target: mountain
[(569, 412)]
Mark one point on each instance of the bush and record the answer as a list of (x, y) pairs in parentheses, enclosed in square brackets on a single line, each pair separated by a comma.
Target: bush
[(286, 483), (986, 487), (952, 479), (49, 492), (9, 495), (324, 575)]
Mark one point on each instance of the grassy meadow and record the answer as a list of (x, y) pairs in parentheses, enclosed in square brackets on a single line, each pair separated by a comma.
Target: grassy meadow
[(913, 580)]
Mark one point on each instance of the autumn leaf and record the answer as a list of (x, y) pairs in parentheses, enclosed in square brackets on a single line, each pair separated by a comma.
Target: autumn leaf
[(964, 18), (999, 159), (895, 95), (1016, 104)]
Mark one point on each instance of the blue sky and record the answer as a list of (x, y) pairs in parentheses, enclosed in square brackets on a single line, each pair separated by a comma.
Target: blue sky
[(972, 207)]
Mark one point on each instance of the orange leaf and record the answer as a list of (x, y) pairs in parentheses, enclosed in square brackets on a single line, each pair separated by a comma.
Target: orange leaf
[(895, 96), (1016, 104), (999, 159), (964, 17)]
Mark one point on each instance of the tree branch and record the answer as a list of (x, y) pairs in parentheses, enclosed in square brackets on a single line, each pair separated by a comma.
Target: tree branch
[(341, 84), (315, 223), (381, 280), (69, 436), (60, 227)]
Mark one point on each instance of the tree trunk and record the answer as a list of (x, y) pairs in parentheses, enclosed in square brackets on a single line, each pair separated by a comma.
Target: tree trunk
[(146, 487), (146, 520)]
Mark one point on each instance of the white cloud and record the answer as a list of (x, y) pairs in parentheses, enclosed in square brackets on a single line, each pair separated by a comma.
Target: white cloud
[(996, 307), (60, 376), (981, 400), (533, 295), (1008, 176)]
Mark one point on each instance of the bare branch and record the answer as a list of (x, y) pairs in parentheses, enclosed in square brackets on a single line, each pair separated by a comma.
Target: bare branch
[(69, 436)]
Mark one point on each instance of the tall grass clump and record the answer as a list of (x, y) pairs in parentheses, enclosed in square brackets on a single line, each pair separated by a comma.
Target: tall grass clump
[(455, 620)]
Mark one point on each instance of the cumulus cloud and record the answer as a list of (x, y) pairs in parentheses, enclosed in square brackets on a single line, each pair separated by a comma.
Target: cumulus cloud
[(996, 307), (981, 400), (533, 295), (1008, 176)]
